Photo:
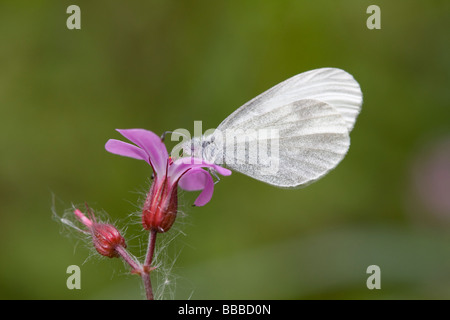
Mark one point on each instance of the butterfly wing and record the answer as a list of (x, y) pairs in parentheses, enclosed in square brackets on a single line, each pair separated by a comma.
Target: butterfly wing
[(288, 146), (333, 86)]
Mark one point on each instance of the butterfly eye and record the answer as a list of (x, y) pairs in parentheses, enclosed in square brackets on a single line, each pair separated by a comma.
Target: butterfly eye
[(205, 144)]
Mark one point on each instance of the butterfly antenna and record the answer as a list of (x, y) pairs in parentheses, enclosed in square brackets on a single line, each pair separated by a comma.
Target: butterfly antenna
[(163, 136)]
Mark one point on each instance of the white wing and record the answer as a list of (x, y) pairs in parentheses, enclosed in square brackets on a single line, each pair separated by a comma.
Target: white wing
[(311, 115), (289, 146), (333, 86)]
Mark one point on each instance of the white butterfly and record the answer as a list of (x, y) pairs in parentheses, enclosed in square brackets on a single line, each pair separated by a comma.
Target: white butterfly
[(305, 121)]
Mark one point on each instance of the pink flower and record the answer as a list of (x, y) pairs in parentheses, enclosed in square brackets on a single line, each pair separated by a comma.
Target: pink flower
[(106, 238), (161, 205)]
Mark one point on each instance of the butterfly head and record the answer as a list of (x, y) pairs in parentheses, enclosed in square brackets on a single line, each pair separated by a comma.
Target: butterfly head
[(200, 148)]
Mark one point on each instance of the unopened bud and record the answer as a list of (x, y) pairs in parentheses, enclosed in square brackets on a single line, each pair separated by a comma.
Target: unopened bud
[(105, 237)]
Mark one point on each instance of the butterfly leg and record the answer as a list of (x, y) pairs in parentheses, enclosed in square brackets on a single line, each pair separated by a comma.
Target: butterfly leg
[(213, 172)]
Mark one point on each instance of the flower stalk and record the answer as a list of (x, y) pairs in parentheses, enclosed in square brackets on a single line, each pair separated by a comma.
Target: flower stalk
[(147, 265)]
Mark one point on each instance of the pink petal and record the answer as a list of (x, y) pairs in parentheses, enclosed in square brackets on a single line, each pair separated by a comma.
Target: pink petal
[(151, 144), (208, 185), (193, 180), (180, 166), (125, 149), (88, 223)]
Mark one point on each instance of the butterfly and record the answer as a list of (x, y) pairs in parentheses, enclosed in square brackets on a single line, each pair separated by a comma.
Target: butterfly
[(290, 135)]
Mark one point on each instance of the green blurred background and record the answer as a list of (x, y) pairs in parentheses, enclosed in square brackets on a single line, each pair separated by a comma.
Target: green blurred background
[(160, 65)]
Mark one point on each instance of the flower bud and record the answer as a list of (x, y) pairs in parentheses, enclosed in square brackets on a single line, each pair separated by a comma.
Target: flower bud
[(105, 237)]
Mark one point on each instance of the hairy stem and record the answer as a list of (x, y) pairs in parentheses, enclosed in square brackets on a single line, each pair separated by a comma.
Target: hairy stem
[(123, 253), (148, 285), (146, 269)]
